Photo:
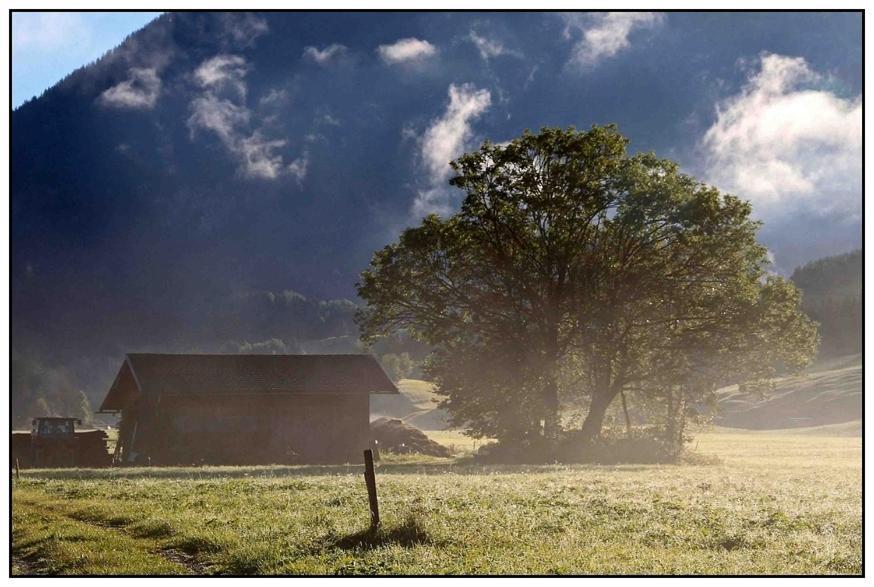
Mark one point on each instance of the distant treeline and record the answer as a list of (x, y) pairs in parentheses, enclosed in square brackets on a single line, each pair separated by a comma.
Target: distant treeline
[(41, 391), (287, 322), (833, 297)]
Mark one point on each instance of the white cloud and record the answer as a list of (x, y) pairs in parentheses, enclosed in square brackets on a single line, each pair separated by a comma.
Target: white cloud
[(410, 49), (328, 120), (604, 34), (433, 200), (489, 48), (447, 136), (227, 116), (326, 55), (794, 149), (274, 97), (260, 158), (226, 119), (223, 71), (242, 29), (785, 141), (298, 167), (139, 92), (445, 139)]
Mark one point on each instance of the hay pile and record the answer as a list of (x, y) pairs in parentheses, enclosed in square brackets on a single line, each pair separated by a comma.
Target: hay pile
[(395, 436)]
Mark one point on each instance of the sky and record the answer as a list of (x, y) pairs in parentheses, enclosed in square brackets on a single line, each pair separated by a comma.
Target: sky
[(766, 106), (763, 105), (216, 155), (46, 46)]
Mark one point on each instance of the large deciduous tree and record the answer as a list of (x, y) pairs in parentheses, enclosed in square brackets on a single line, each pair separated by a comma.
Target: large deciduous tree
[(569, 253)]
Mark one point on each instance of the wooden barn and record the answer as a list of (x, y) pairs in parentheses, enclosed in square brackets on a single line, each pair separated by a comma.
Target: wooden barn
[(182, 409)]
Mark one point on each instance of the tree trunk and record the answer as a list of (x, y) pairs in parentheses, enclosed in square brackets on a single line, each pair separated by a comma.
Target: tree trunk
[(680, 418), (669, 417), (551, 424), (595, 418), (627, 417)]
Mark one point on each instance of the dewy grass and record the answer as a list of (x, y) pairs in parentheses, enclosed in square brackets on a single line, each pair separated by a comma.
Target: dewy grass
[(768, 504)]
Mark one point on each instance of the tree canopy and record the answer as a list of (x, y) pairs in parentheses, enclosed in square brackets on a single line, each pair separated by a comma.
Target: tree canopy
[(574, 272)]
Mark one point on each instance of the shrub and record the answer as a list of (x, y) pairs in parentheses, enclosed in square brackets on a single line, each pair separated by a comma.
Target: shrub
[(645, 446)]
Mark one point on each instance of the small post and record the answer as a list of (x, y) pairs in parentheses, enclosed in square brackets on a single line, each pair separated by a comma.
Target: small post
[(17, 469), (370, 480)]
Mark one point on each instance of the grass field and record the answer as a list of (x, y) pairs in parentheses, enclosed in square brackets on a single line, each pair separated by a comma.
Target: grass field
[(749, 503)]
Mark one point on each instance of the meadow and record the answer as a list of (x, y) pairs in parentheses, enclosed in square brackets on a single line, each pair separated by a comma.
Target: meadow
[(741, 503)]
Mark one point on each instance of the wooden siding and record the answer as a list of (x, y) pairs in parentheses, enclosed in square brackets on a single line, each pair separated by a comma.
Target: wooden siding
[(254, 428)]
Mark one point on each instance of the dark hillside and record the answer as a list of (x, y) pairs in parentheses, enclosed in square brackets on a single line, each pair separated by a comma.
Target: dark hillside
[(173, 195), (833, 297)]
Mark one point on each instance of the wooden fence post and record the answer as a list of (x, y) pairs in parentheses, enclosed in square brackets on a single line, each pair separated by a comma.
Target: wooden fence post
[(370, 480)]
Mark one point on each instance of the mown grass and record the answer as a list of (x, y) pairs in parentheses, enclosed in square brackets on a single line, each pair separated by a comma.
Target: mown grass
[(758, 504), (456, 441), (421, 393)]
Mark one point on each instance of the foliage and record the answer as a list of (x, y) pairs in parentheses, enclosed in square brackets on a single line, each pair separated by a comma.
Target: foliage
[(398, 366), (840, 275), (573, 272), (644, 446)]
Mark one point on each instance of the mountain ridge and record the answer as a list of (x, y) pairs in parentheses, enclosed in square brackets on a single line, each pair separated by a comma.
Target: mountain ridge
[(163, 193)]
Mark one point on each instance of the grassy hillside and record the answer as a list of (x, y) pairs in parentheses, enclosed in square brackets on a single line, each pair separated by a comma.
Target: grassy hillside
[(416, 405), (751, 503), (853, 428), (828, 393)]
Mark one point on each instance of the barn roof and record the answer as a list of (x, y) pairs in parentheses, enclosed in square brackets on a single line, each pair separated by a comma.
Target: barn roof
[(153, 374)]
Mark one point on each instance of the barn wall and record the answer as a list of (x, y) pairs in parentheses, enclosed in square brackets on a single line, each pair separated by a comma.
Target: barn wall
[(258, 429)]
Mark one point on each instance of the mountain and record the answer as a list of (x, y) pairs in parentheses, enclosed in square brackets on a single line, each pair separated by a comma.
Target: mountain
[(832, 289), (219, 180)]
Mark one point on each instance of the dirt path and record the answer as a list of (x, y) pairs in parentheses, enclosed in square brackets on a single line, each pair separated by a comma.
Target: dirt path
[(34, 565), (189, 561), (24, 567)]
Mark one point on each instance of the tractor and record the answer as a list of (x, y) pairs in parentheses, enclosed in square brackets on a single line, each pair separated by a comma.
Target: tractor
[(53, 442)]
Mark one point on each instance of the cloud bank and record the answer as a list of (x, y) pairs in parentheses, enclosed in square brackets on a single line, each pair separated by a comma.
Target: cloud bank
[(792, 146)]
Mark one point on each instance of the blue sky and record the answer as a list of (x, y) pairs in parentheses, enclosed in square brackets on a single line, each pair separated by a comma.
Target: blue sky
[(46, 46)]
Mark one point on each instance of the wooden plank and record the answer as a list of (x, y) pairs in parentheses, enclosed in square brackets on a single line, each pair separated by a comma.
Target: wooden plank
[(370, 480)]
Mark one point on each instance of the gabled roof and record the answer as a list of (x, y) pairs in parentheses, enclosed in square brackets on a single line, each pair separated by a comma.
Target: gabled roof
[(153, 374)]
